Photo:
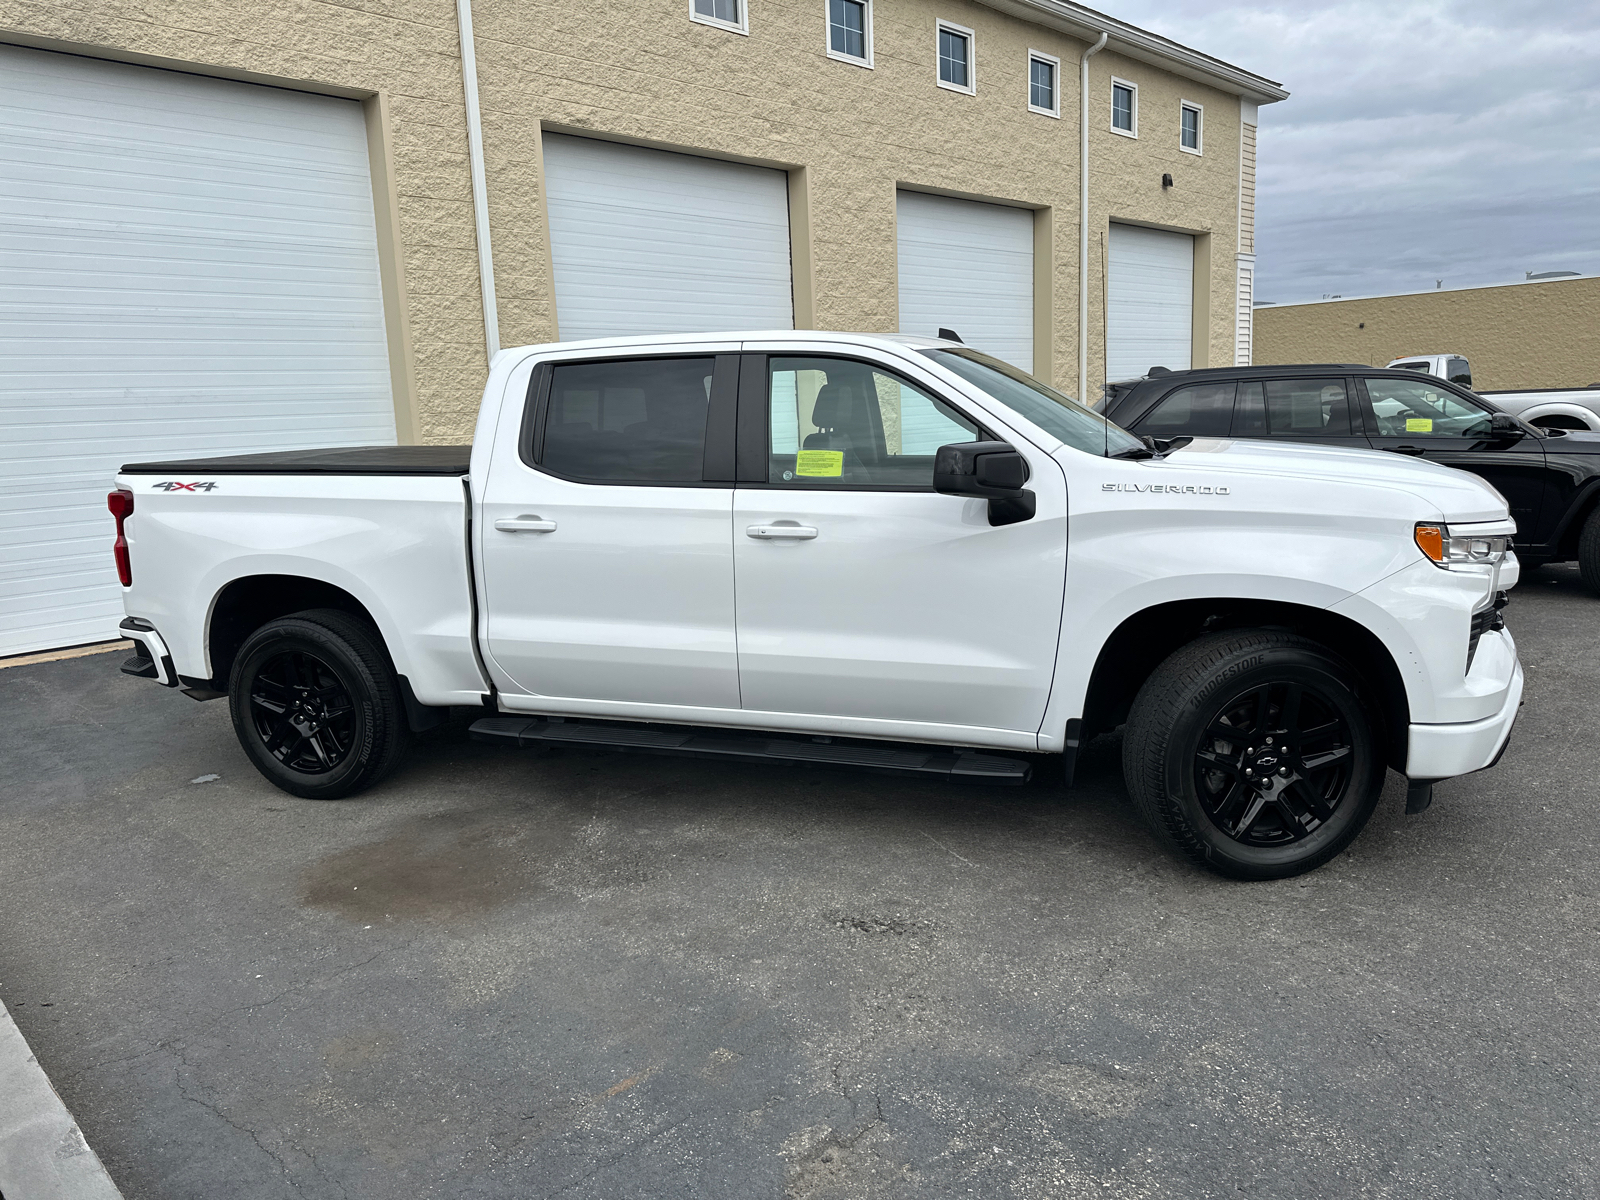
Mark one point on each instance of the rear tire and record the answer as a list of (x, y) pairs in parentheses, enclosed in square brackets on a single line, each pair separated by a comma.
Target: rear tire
[(316, 705), (1254, 753), (1589, 552)]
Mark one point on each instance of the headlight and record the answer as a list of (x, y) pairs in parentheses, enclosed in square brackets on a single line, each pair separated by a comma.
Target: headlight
[(1452, 551)]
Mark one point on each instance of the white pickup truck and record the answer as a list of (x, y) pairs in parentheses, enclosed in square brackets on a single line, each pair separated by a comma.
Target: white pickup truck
[(892, 552)]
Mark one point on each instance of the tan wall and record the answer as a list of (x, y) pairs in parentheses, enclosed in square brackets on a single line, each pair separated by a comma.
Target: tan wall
[(1529, 335), (641, 71)]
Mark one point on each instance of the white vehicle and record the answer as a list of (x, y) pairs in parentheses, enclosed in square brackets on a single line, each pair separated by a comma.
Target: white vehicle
[(1453, 368), (1548, 408), (892, 552)]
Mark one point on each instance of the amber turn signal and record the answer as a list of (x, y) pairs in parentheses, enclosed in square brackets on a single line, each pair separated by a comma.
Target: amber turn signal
[(1430, 540)]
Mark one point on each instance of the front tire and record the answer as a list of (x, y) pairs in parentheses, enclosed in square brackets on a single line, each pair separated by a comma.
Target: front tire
[(1589, 552), (316, 705), (1254, 753)]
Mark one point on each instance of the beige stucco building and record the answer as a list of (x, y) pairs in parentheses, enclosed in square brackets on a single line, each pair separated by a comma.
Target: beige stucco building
[(230, 225), (1542, 333)]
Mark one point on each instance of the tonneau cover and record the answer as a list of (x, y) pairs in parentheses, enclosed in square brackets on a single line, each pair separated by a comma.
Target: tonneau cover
[(339, 460)]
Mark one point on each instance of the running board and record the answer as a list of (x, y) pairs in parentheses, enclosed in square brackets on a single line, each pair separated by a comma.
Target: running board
[(754, 747)]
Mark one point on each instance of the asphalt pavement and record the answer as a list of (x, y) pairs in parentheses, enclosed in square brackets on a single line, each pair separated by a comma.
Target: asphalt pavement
[(591, 975)]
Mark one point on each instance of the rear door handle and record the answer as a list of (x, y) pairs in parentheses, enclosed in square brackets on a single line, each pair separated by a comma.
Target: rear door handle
[(525, 524), (799, 533), (1407, 449)]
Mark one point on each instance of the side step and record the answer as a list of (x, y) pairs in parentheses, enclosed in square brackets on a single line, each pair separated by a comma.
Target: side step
[(754, 747)]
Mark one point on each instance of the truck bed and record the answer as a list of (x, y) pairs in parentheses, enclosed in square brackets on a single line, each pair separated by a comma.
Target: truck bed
[(338, 460)]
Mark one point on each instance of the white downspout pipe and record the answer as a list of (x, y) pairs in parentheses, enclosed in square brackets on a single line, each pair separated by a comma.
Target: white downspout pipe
[(1083, 215), (480, 188)]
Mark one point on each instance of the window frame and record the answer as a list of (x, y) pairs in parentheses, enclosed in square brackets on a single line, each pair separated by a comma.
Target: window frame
[(1134, 426), (941, 26), (741, 26), (755, 421), (717, 452), (866, 35), (1199, 110), (1116, 82), (1054, 64)]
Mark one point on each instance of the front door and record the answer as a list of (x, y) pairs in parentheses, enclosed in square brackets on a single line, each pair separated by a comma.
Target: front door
[(1420, 417), (606, 557), (861, 591)]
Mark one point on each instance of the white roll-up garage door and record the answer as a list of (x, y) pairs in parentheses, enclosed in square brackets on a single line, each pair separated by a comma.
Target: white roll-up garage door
[(967, 267), (647, 241), (188, 266), (1150, 304)]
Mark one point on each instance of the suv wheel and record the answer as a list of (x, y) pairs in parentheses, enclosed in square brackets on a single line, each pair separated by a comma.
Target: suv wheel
[(1589, 552), (316, 706), (1254, 753)]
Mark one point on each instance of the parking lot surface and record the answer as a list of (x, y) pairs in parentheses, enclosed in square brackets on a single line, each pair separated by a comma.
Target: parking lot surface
[(598, 975)]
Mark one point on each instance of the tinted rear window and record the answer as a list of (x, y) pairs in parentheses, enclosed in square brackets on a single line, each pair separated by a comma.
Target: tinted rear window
[(1293, 408), (1199, 410), (638, 421)]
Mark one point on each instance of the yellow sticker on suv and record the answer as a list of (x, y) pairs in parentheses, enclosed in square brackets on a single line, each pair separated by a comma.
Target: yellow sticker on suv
[(1419, 424), (815, 463)]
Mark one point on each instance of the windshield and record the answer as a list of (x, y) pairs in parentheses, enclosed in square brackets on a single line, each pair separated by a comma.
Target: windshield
[(1047, 408)]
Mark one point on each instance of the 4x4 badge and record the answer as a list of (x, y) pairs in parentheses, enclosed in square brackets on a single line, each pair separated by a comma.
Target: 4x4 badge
[(170, 486)]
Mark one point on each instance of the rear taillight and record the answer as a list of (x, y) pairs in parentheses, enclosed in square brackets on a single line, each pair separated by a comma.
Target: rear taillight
[(120, 502)]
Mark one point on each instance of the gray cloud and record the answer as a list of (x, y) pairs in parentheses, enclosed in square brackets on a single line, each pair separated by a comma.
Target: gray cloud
[(1423, 141)]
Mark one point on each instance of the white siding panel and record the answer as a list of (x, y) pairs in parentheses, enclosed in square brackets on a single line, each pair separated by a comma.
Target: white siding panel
[(647, 241), (188, 266), (1150, 304), (967, 267), (1244, 312)]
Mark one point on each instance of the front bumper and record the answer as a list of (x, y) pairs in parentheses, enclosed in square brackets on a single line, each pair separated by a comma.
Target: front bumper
[(1444, 751)]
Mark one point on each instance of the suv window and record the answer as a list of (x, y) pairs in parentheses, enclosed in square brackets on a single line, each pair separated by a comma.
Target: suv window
[(1200, 410), (1293, 408), (641, 420), (1417, 408), (837, 422)]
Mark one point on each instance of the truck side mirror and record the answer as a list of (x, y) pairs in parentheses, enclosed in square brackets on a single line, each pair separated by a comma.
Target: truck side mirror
[(991, 470)]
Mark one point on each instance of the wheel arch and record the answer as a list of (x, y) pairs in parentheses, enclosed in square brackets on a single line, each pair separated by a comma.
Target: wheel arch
[(1146, 638), (247, 603), (1576, 518)]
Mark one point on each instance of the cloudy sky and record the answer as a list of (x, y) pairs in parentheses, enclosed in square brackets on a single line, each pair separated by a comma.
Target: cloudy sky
[(1421, 140)]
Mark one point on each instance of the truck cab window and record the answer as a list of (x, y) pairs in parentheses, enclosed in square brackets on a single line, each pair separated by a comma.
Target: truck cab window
[(636, 421), (837, 422)]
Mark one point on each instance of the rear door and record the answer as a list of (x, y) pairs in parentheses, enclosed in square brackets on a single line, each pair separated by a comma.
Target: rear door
[(1423, 418), (606, 560), (862, 592)]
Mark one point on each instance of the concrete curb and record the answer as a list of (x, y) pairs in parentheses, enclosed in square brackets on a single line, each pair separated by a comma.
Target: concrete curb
[(42, 1153)]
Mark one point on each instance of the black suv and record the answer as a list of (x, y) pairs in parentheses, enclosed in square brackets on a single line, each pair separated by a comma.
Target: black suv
[(1550, 477)]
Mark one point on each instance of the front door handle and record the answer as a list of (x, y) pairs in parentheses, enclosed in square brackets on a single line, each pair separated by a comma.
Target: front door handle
[(798, 533), (1407, 449), (525, 524)]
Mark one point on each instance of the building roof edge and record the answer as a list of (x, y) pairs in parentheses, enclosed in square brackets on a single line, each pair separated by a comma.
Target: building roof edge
[(1086, 24), (1470, 287)]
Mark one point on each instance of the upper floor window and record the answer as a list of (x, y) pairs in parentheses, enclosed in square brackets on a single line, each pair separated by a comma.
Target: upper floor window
[(1124, 108), (955, 58), (724, 14), (1190, 127), (850, 31), (1043, 92)]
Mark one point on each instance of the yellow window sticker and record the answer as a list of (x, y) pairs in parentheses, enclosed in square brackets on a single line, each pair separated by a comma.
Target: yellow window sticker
[(1419, 424), (815, 463)]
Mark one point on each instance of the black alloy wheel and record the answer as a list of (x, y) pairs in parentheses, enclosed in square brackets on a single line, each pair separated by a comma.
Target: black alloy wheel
[(1273, 765), (1255, 752), (302, 712), (316, 704)]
